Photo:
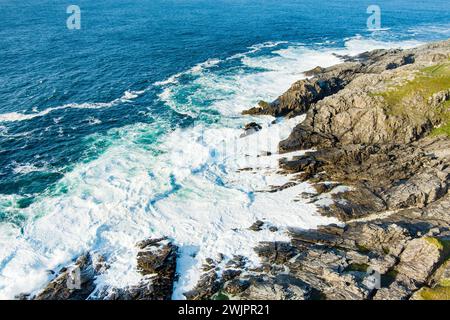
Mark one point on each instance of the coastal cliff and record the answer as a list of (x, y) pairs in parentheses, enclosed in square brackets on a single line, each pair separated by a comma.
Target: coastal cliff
[(379, 125), (376, 136)]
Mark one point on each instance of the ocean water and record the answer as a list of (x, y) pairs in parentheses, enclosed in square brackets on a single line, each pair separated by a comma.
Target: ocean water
[(130, 127)]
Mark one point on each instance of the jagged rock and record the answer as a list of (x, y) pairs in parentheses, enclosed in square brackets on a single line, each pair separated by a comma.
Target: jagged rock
[(419, 259), (282, 287), (206, 288), (156, 261), (395, 291), (382, 177), (275, 252), (157, 256), (324, 187), (315, 71), (353, 204), (230, 274), (304, 93), (325, 82), (422, 189), (236, 286), (257, 226), (361, 141), (383, 264), (439, 288), (439, 98), (251, 128), (75, 282), (382, 238)]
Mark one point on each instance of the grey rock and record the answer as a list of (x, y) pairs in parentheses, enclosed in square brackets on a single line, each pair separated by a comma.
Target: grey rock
[(282, 287), (75, 282), (156, 261), (419, 259)]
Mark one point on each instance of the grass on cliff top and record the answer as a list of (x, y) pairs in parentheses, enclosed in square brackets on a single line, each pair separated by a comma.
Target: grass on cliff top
[(410, 99)]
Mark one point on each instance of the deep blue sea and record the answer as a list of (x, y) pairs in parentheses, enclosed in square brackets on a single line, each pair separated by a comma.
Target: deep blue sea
[(110, 134)]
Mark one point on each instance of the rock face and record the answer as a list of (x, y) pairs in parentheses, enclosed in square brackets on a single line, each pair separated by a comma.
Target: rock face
[(75, 282), (251, 128), (386, 258), (369, 121), (382, 177), (156, 261), (324, 82), (372, 134)]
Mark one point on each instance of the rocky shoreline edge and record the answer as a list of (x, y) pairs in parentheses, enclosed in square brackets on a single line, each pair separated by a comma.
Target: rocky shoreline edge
[(379, 125)]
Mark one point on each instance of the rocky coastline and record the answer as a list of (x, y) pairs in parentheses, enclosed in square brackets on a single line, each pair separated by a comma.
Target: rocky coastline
[(377, 133)]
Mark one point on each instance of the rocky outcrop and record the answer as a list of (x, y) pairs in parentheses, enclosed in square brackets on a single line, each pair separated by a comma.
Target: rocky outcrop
[(373, 134), (324, 82), (156, 261), (388, 258), (75, 282), (369, 122), (251, 128), (380, 177)]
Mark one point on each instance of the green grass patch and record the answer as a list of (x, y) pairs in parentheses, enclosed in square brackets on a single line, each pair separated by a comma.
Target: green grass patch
[(442, 290), (437, 293), (221, 296), (445, 283), (435, 242), (410, 99)]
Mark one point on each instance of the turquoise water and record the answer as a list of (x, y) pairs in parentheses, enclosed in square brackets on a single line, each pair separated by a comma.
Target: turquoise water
[(131, 45), (102, 128)]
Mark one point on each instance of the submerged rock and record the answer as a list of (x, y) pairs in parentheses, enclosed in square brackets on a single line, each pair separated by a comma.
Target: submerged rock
[(251, 128), (257, 226)]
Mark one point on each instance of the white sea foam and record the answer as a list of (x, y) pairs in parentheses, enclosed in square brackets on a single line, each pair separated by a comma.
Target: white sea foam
[(213, 62), (28, 168), (194, 70), (18, 116), (93, 121), (190, 190), (257, 47), (425, 30), (359, 44)]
